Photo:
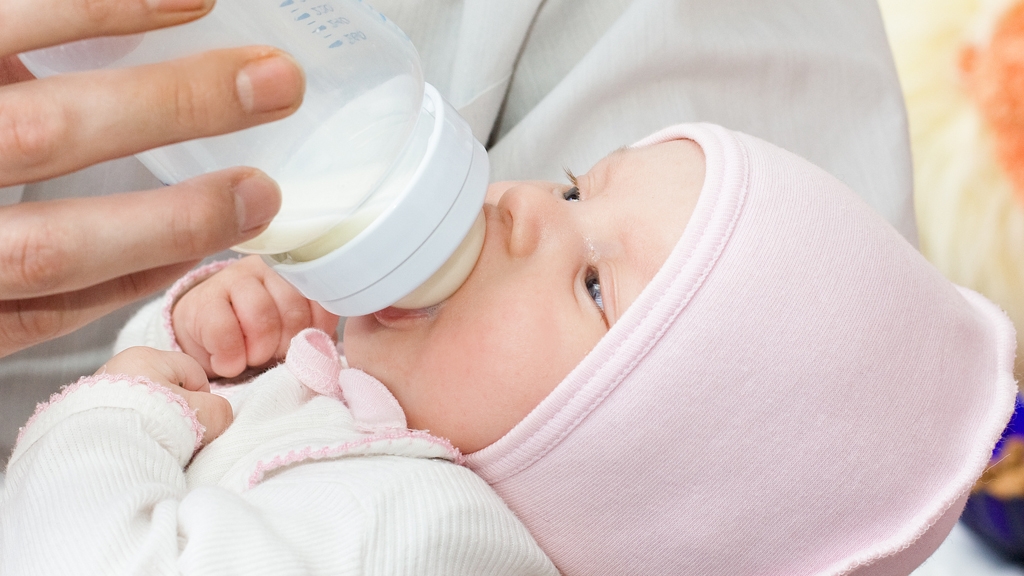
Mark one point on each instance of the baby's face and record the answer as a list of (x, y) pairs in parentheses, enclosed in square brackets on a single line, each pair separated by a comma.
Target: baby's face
[(560, 264)]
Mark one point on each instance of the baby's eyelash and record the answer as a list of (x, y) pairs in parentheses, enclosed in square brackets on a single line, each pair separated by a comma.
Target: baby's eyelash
[(570, 176), (572, 194), (593, 284)]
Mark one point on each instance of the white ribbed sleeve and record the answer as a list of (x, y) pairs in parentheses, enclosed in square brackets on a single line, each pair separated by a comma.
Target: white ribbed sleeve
[(94, 484)]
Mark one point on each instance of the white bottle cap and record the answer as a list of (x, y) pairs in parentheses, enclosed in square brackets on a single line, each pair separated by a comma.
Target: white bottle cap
[(414, 237)]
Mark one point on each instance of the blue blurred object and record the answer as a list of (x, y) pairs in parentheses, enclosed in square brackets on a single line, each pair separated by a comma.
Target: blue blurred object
[(999, 522), (1014, 428)]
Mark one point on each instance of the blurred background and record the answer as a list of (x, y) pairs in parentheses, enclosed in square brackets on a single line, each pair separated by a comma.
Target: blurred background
[(961, 67)]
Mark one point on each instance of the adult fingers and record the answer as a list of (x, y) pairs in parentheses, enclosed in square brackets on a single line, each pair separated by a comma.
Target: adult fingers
[(30, 24), (59, 124), (12, 71), (29, 321), (47, 248)]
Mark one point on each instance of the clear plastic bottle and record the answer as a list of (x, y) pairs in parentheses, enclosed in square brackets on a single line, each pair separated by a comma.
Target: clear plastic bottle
[(382, 182)]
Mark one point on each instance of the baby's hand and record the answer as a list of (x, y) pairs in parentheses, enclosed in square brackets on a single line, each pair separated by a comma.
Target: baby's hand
[(183, 376), (244, 315)]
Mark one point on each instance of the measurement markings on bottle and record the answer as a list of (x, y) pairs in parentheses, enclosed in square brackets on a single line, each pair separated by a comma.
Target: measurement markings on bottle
[(323, 20)]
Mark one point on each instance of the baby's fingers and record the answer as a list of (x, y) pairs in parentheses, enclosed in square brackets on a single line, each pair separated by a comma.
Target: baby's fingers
[(297, 312), (171, 369), (259, 317), (324, 320), (214, 413), (219, 345), (182, 375)]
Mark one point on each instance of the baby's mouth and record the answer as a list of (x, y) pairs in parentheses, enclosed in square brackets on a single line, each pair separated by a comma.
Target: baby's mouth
[(392, 316)]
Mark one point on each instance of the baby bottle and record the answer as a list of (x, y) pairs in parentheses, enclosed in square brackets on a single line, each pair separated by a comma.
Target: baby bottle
[(382, 181)]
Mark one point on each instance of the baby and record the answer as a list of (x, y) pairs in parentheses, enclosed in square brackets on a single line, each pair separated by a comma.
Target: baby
[(703, 356)]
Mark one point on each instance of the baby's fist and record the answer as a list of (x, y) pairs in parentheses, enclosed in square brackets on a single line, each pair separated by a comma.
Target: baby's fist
[(183, 376), (245, 315)]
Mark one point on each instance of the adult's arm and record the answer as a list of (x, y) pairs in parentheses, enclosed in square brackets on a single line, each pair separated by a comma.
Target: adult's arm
[(66, 262)]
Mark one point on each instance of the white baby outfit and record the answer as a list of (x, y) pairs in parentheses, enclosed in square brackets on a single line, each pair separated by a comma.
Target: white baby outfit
[(318, 474)]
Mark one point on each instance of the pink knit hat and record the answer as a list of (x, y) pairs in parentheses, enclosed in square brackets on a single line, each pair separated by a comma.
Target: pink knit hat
[(796, 392)]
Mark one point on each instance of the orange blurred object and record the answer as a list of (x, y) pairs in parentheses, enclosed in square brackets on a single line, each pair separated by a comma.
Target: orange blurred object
[(994, 76)]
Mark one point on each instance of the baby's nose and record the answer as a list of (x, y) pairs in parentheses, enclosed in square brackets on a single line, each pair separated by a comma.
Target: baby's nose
[(530, 210)]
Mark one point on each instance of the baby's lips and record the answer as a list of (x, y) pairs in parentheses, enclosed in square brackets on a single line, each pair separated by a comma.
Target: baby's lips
[(392, 316)]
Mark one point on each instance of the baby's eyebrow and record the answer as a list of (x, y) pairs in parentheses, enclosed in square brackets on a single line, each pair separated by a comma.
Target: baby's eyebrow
[(572, 177)]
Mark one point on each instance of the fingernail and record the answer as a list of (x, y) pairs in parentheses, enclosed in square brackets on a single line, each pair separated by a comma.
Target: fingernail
[(257, 200), (179, 5), (270, 83)]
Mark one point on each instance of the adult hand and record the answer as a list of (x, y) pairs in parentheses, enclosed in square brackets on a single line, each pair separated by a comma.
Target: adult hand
[(67, 262)]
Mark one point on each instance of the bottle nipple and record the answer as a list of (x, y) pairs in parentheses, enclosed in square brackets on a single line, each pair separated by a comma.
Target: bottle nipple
[(450, 277)]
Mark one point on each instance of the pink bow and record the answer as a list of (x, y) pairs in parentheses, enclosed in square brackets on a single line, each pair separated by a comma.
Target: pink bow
[(314, 360)]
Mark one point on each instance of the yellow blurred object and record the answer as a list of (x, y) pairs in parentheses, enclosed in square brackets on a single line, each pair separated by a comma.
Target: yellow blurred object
[(1004, 479), (961, 65)]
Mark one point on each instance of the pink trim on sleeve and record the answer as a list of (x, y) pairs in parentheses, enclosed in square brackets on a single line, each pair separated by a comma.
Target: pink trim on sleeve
[(184, 284), (308, 453), (197, 428)]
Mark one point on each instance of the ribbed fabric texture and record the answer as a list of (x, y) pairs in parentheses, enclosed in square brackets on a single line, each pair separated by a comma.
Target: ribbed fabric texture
[(298, 484), (797, 392)]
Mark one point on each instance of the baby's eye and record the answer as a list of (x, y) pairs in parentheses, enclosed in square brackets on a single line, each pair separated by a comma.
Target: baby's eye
[(593, 283), (572, 194)]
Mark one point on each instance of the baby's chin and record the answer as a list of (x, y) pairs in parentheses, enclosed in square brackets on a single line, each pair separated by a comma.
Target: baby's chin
[(394, 317)]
